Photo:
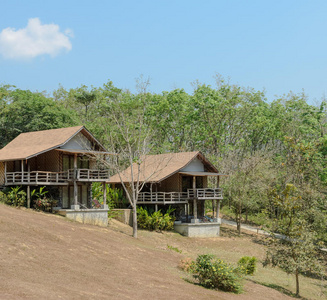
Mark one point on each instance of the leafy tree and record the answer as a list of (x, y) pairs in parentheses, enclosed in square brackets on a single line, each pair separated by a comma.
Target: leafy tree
[(25, 111), (293, 249)]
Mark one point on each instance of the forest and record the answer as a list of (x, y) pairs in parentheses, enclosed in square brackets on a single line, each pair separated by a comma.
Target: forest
[(274, 152)]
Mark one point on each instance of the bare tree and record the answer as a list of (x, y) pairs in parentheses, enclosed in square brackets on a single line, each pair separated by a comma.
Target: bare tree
[(130, 138)]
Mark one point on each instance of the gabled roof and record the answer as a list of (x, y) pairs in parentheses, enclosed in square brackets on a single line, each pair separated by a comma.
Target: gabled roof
[(155, 168), (31, 144)]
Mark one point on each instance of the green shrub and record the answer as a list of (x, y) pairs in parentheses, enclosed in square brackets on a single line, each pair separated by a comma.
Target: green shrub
[(156, 221), (174, 249), (3, 197), (187, 265), (248, 265), (16, 197), (216, 274)]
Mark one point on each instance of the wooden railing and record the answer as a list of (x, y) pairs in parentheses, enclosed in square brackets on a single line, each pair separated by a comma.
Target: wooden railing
[(36, 177), (92, 175), (176, 197), (44, 177), (162, 197), (205, 193)]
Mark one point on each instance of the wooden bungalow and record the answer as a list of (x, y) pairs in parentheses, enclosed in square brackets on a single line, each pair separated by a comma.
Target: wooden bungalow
[(176, 179), (59, 159)]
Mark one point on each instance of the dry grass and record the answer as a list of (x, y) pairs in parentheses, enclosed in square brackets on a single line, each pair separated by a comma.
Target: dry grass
[(47, 257)]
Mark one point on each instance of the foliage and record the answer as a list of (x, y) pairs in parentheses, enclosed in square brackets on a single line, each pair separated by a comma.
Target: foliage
[(115, 197), (16, 197), (248, 264), (25, 111), (174, 249), (216, 274), (3, 197), (187, 265), (156, 221), (261, 145), (45, 204), (42, 202), (295, 248)]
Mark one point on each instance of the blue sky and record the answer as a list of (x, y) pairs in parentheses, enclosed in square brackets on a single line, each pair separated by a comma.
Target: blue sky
[(273, 45)]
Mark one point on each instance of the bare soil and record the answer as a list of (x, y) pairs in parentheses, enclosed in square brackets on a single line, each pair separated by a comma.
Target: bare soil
[(44, 256)]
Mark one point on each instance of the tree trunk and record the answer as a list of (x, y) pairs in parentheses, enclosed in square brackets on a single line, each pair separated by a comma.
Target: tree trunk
[(238, 224), (297, 283), (134, 222)]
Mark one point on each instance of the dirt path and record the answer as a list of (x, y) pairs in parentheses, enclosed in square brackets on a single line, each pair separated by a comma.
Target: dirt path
[(48, 257)]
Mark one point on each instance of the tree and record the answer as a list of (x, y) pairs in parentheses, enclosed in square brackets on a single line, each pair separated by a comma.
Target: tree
[(25, 111), (129, 137), (293, 249), (245, 188)]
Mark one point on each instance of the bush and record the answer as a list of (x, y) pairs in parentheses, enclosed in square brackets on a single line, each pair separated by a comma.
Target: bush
[(16, 197), (248, 265), (45, 204), (156, 221), (216, 274), (3, 197), (187, 265)]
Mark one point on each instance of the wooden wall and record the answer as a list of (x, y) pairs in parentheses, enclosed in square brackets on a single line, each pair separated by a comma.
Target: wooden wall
[(48, 161), (171, 184), (2, 173)]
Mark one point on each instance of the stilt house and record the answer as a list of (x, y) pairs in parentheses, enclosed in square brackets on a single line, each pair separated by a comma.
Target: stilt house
[(59, 159), (176, 179)]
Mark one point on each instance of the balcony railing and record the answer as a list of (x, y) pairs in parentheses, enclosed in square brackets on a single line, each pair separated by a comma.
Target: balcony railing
[(92, 175), (37, 177), (180, 197), (205, 193), (55, 178)]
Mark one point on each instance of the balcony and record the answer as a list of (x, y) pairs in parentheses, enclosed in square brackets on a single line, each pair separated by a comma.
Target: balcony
[(87, 175), (55, 178), (179, 197)]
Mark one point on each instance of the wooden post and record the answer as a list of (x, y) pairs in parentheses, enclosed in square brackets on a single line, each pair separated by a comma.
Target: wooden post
[(75, 194), (29, 172), (28, 196), (5, 172), (22, 169), (195, 205), (75, 206), (195, 209)]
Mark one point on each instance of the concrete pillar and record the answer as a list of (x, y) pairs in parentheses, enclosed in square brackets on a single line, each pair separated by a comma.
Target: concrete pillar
[(28, 196), (104, 205)]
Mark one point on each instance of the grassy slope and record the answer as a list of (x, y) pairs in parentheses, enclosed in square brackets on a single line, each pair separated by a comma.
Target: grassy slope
[(49, 257)]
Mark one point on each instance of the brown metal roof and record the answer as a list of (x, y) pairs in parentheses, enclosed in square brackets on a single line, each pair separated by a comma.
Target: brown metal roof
[(155, 168), (30, 144)]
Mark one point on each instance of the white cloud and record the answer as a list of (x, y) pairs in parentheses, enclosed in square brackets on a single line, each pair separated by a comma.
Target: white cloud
[(34, 40)]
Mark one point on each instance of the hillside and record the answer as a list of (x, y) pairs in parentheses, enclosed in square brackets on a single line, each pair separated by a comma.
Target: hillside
[(48, 257)]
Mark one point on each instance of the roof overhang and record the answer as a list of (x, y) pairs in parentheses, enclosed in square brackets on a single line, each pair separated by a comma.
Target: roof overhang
[(85, 151), (202, 174)]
